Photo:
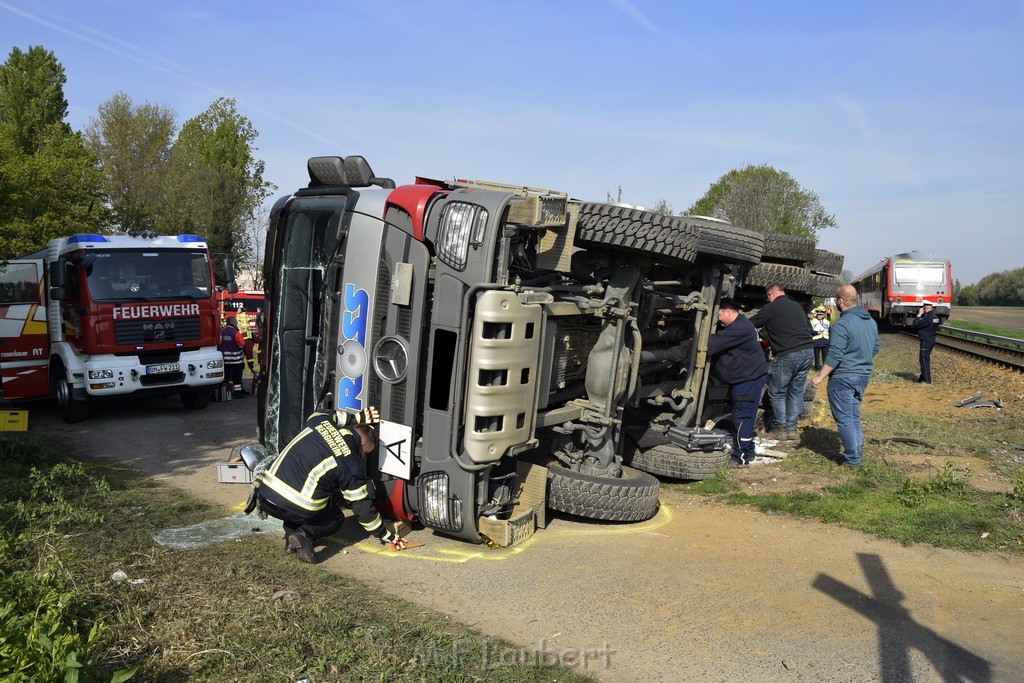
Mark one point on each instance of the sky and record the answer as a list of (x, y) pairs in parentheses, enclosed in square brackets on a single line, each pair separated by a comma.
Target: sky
[(906, 118)]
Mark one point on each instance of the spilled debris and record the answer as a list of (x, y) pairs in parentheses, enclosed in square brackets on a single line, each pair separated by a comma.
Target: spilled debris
[(975, 402)]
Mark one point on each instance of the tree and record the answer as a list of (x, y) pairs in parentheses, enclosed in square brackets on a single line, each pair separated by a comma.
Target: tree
[(216, 183), (50, 185), (764, 199), (134, 147), (663, 208), (32, 100)]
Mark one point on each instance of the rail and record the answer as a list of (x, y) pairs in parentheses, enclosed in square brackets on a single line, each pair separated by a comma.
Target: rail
[(1005, 351)]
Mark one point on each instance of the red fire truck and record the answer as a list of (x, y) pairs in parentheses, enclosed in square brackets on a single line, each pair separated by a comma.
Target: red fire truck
[(96, 316), (243, 304)]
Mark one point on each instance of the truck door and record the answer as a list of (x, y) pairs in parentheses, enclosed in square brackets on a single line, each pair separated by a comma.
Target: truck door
[(24, 343)]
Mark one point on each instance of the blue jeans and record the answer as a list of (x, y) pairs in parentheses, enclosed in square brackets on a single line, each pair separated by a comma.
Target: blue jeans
[(844, 397), (744, 397), (787, 382)]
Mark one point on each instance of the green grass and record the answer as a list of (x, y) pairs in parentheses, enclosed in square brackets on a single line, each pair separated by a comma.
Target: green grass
[(234, 611), (984, 329)]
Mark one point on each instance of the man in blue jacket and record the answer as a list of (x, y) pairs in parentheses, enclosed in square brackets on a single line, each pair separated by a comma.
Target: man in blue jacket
[(927, 324), (853, 344), (739, 361)]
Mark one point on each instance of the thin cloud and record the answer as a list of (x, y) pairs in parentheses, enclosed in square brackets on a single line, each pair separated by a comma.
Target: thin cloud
[(153, 62), (638, 17), (874, 143)]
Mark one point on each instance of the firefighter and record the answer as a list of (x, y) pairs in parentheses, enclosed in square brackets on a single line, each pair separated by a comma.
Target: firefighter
[(232, 345), (327, 456)]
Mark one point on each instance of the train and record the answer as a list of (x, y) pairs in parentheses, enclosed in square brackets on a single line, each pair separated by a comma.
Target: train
[(894, 289)]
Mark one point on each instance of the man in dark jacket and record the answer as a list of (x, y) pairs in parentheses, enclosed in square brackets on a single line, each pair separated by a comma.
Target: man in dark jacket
[(232, 345), (853, 344), (739, 361), (788, 332), (324, 458), (927, 324)]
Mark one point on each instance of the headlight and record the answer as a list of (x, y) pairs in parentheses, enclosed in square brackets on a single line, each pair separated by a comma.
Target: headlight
[(219, 363), (436, 510), (462, 225), (101, 374)]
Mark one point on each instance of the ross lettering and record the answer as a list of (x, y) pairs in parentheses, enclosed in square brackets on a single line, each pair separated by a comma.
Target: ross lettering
[(352, 360), (155, 311)]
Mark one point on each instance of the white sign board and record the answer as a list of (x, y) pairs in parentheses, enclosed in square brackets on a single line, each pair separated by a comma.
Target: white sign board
[(395, 449)]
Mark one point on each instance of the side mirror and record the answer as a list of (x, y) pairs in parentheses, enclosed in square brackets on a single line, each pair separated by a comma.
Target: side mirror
[(57, 293), (87, 262), (229, 276), (56, 273)]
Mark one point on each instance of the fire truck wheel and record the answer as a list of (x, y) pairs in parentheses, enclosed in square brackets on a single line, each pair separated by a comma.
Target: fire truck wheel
[(633, 497), (675, 462), (71, 410), (197, 400), (668, 239)]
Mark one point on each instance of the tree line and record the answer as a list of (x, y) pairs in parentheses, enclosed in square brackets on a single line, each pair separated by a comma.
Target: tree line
[(1005, 288), (131, 170)]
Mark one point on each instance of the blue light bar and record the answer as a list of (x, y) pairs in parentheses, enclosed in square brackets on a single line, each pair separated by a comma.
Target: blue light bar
[(87, 238), (190, 238)]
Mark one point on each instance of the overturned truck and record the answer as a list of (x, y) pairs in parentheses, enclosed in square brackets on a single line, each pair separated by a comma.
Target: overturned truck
[(523, 347)]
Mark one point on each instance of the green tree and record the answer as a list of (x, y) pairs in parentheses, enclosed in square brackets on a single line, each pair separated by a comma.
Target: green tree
[(133, 144), (50, 185), (216, 183), (663, 208), (32, 100), (767, 200)]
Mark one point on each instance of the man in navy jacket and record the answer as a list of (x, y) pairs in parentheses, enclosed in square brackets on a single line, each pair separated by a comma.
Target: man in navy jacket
[(927, 324), (739, 361)]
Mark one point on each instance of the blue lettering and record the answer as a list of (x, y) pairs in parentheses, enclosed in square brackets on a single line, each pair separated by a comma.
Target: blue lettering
[(348, 393), (353, 324)]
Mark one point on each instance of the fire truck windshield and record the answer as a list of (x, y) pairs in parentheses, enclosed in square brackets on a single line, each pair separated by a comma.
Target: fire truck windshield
[(148, 275)]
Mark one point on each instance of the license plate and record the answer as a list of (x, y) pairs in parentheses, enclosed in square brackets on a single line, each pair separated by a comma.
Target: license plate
[(161, 369)]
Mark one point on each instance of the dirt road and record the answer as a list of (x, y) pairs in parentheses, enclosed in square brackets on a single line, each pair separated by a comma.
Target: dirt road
[(701, 592)]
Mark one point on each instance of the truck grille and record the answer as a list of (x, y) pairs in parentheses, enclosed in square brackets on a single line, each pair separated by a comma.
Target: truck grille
[(166, 329)]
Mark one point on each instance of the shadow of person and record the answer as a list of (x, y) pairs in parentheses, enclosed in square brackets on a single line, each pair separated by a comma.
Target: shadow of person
[(898, 632)]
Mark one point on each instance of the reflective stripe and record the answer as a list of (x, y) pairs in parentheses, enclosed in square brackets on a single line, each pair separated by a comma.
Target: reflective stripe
[(374, 525), (304, 498), (291, 495), (355, 494)]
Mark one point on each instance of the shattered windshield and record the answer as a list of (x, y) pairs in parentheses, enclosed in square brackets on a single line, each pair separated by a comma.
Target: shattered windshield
[(149, 275)]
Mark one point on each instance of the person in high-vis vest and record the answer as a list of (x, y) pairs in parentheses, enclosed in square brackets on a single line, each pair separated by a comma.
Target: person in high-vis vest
[(232, 345), (325, 457)]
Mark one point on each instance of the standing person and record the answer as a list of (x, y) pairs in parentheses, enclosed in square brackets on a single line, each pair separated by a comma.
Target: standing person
[(232, 345), (326, 457), (819, 328), (788, 332), (927, 324), (739, 361), (853, 345)]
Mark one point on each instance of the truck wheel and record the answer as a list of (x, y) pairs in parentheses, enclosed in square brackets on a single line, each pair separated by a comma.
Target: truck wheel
[(675, 462), (782, 248), (630, 498), (829, 262), (196, 400), (71, 409), (670, 239), (731, 243), (792, 278)]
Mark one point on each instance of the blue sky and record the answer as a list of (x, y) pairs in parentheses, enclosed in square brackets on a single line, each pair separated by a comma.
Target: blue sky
[(906, 118)]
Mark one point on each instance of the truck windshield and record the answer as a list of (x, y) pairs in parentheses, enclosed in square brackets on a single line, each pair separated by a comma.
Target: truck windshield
[(148, 275)]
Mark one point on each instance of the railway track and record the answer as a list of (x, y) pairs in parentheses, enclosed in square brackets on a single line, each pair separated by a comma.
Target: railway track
[(1004, 351)]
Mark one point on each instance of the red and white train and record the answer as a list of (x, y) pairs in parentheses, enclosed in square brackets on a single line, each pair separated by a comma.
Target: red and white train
[(894, 289)]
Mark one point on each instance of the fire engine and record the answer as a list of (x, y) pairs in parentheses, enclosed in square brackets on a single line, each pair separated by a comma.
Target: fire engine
[(243, 304), (96, 316), (523, 347)]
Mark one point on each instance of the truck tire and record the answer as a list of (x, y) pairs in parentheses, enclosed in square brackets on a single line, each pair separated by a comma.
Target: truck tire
[(630, 498), (828, 262), (782, 248), (71, 409), (794, 278), (731, 243), (820, 284), (672, 461), (197, 400), (667, 238)]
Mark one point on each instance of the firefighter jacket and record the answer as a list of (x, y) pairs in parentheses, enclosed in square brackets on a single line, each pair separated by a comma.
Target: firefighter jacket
[(737, 352), (231, 344), (321, 459)]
